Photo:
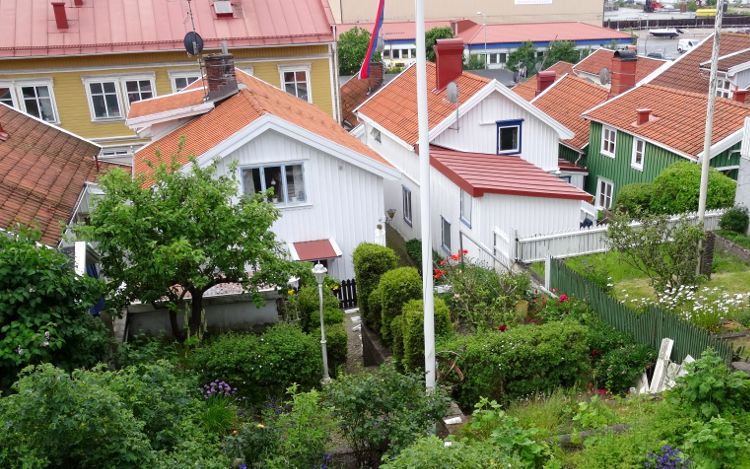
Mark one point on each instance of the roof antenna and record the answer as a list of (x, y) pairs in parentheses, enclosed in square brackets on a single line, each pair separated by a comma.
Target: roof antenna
[(194, 46)]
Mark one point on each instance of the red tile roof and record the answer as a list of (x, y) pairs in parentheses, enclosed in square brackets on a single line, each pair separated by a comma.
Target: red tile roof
[(685, 73), (527, 89), (43, 170), (566, 100), (395, 105), (728, 61), (540, 32), (480, 174), (602, 57), (180, 100), (255, 100), (678, 117), (113, 26), (353, 93), (315, 250)]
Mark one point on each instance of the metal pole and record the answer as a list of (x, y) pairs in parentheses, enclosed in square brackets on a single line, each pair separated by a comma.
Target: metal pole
[(486, 58), (424, 201), (323, 349)]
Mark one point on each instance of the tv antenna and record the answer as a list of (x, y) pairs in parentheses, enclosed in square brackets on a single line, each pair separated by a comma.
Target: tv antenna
[(194, 45)]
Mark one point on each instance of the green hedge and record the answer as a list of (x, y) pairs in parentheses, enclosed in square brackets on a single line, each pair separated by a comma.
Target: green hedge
[(676, 189), (336, 344), (370, 262), (635, 198), (412, 331), (521, 361), (397, 286), (735, 219), (261, 366), (308, 302), (373, 316)]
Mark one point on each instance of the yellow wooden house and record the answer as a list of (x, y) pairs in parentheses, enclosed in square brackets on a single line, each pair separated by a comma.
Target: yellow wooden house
[(80, 63)]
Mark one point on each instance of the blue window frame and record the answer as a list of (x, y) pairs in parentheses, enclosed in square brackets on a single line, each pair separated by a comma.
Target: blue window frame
[(509, 136)]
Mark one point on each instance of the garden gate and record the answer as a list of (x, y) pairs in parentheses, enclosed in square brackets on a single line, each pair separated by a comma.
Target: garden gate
[(347, 294)]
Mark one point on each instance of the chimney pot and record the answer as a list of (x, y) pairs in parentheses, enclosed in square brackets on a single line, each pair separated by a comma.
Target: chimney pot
[(61, 19), (79, 3), (624, 65), (220, 76), (740, 96), (644, 115), (544, 79), (449, 61)]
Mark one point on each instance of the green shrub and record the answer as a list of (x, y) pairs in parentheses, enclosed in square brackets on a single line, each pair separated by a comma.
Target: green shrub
[(397, 286), (397, 348), (412, 332), (718, 443), (431, 453), (618, 369), (261, 366), (676, 189), (370, 262), (219, 416), (374, 315), (336, 344), (635, 198), (307, 301), (735, 219), (414, 251), (593, 414), (143, 349), (519, 362), (383, 411)]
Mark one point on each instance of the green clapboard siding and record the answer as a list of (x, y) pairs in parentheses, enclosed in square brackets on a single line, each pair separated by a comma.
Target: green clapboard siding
[(620, 172), (568, 154)]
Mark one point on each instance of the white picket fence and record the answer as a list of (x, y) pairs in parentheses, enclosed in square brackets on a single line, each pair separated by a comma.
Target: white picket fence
[(586, 240)]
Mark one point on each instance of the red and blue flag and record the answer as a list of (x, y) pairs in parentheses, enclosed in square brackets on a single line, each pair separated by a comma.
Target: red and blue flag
[(364, 71)]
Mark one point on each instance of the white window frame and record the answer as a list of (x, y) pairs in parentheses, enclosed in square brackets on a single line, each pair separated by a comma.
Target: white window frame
[(465, 204), (599, 182), (607, 129), (633, 159), (174, 76), (307, 68), (19, 102), (120, 87), (283, 166), (406, 205), (443, 224), (724, 88)]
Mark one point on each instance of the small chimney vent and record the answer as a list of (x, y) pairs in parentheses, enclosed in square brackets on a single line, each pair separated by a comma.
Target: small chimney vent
[(644, 115), (449, 61), (544, 80), (740, 96), (220, 75), (223, 8), (61, 19)]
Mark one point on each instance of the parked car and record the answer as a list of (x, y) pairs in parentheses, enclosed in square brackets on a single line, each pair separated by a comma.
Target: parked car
[(685, 45)]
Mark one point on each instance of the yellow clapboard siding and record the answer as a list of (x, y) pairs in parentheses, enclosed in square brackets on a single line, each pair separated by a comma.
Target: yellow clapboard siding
[(67, 74)]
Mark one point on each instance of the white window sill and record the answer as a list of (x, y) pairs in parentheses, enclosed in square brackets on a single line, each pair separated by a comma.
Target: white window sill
[(637, 168), (105, 120), (293, 206), (607, 154)]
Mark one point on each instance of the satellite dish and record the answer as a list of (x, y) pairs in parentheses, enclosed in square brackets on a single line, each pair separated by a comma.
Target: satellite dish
[(452, 92), (193, 43), (604, 76)]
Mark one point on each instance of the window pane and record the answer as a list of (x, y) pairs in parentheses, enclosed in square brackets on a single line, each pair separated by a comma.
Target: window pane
[(28, 92), (251, 181), (446, 235), (302, 90), (508, 138), (272, 178), (100, 109), (301, 76), (113, 106), (95, 87), (295, 183), (109, 87), (291, 89), (32, 107), (42, 91), (6, 97), (288, 77), (45, 105)]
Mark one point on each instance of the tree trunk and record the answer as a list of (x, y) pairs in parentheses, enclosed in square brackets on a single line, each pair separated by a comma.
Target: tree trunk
[(176, 332), (196, 308)]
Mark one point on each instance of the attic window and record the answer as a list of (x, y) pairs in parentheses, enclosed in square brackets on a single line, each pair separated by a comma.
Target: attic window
[(223, 9), (375, 134)]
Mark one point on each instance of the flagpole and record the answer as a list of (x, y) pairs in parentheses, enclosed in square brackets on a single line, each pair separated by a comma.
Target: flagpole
[(424, 201)]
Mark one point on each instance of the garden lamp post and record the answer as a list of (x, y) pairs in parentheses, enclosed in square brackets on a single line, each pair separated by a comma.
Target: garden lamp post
[(320, 272)]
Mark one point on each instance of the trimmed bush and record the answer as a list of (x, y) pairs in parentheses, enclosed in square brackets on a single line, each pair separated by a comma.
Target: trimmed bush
[(374, 315), (336, 344), (412, 331), (635, 198), (676, 189), (370, 262), (261, 366), (308, 305), (397, 349), (397, 286), (619, 368), (521, 361), (735, 219)]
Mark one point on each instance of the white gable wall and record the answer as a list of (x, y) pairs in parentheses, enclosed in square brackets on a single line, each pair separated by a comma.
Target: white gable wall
[(477, 132), (345, 202)]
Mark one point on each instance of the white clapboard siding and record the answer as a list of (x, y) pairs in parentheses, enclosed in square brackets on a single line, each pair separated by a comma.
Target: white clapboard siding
[(345, 202), (588, 240)]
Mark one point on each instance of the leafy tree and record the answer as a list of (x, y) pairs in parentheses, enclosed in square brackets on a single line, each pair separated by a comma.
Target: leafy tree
[(431, 37), (666, 253), (474, 62), (524, 55), (561, 50), (184, 234), (44, 309), (352, 47), (676, 189)]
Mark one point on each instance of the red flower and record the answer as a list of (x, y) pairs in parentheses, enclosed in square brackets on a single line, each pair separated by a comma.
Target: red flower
[(563, 298), (444, 261), (595, 353), (502, 328), (466, 251), (455, 257), (437, 273)]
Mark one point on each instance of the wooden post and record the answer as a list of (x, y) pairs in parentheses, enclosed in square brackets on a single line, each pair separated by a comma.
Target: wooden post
[(548, 273)]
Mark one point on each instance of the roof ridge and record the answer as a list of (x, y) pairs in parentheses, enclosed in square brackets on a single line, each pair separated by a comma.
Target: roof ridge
[(693, 94)]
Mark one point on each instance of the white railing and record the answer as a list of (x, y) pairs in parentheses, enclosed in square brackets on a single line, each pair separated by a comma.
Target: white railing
[(586, 240), (479, 253)]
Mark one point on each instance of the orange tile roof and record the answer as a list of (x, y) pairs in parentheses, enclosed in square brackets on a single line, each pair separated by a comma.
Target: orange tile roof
[(395, 105), (685, 73), (256, 99), (353, 93), (678, 117), (168, 102), (602, 57), (42, 173), (566, 100), (527, 89), (728, 61)]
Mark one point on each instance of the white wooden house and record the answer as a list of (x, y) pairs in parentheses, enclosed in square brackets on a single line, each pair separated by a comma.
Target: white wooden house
[(494, 158), (327, 184)]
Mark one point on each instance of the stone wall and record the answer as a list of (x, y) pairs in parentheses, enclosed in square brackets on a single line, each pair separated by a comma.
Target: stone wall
[(733, 248)]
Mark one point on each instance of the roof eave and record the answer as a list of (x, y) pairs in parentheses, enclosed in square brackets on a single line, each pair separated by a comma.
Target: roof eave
[(173, 114)]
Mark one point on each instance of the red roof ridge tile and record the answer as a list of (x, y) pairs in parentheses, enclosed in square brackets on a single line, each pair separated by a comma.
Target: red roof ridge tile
[(701, 96)]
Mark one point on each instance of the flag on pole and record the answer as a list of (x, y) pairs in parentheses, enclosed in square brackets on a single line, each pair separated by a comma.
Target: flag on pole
[(364, 70)]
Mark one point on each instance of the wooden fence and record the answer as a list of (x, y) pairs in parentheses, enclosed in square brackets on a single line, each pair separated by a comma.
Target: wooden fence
[(587, 240), (648, 328), (347, 294)]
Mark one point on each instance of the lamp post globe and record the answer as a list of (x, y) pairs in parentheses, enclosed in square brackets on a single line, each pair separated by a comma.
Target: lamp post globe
[(319, 271)]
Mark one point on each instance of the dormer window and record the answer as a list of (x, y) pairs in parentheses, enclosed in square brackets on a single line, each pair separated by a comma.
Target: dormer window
[(509, 137)]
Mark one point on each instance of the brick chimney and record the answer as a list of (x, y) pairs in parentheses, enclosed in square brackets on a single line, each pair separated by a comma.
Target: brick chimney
[(740, 96), (222, 81), (449, 61), (622, 71), (644, 115), (61, 19), (544, 80), (375, 79)]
